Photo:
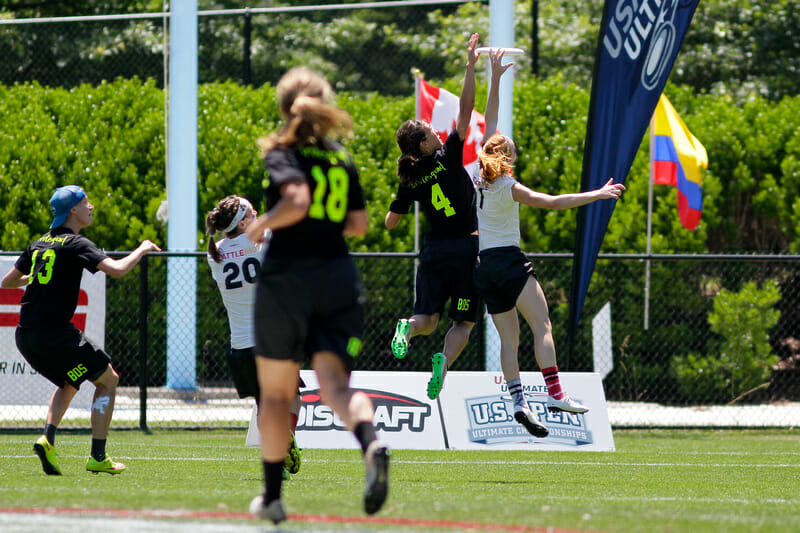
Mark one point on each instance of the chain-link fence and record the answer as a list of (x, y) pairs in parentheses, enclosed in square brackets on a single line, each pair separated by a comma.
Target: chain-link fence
[(722, 330)]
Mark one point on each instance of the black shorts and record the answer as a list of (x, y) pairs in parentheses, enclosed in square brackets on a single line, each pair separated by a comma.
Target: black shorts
[(242, 363), (445, 272), (304, 306), (63, 355), (500, 276)]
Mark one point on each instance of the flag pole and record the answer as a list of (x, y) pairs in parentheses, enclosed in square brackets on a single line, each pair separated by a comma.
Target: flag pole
[(649, 227), (417, 116)]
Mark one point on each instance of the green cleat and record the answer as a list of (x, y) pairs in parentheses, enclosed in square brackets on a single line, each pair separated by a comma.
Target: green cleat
[(292, 460), (106, 465), (286, 475), (47, 455), (400, 339), (439, 370)]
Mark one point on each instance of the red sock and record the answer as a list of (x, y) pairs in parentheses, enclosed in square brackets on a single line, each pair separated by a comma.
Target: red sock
[(550, 375)]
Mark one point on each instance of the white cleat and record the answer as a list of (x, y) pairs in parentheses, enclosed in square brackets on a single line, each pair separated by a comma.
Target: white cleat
[(565, 404), (273, 512), (530, 421)]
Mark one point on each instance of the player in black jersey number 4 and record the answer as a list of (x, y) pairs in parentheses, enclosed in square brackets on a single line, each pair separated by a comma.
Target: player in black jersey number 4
[(433, 174), (309, 303), (50, 269)]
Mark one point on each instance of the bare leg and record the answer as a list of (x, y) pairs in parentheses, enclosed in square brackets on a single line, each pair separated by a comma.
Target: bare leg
[(507, 325), (456, 340), (334, 387), (533, 306), (277, 380), (103, 403), (59, 402), (422, 324)]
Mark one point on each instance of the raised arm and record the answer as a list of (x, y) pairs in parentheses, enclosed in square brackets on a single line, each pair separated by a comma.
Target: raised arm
[(467, 99), (524, 195), (116, 268), (493, 100)]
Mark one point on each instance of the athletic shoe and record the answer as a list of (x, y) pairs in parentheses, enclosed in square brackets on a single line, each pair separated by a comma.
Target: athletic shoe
[(400, 339), (47, 455), (435, 384), (292, 460), (107, 465), (565, 404), (529, 420), (377, 476), (273, 512)]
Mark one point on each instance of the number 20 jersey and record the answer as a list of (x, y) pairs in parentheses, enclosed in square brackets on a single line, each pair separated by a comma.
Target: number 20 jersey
[(335, 190), (236, 276)]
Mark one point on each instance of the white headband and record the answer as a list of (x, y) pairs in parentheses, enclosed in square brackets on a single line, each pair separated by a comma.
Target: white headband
[(244, 205)]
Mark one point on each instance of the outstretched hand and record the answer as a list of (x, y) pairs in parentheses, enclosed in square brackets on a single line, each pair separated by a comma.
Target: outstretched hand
[(472, 55), (149, 246), (496, 60), (611, 189)]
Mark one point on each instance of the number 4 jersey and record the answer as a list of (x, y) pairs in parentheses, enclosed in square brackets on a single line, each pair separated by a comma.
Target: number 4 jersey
[(335, 190), (444, 191), (55, 263), (236, 276)]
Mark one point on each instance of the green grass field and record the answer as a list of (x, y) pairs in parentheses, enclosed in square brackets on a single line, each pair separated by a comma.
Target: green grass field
[(659, 480)]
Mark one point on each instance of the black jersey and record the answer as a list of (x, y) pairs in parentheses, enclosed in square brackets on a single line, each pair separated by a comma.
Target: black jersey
[(335, 189), (444, 191), (55, 263)]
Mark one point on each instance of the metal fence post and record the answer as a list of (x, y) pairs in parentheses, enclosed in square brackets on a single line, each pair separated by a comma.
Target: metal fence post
[(144, 302), (248, 33)]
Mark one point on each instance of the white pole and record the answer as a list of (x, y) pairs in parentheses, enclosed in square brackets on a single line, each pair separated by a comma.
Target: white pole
[(182, 194), (649, 228), (501, 34)]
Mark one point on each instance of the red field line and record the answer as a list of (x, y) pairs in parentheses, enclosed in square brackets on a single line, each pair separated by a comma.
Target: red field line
[(226, 515)]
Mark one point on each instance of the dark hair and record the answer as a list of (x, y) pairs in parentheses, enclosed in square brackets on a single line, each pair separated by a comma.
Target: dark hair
[(218, 219), (409, 136)]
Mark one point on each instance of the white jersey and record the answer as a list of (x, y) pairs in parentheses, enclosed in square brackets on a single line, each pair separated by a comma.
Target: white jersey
[(236, 276), (498, 214)]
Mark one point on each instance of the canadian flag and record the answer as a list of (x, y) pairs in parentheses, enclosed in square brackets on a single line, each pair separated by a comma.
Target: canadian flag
[(439, 108)]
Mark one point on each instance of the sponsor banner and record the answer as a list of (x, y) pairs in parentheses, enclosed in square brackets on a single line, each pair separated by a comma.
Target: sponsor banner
[(476, 407), (19, 383), (478, 413), (404, 416)]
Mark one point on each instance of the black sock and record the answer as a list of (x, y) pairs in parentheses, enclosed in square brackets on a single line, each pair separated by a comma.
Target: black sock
[(365, 434), (99, 449), (273, 477), (50, 433)]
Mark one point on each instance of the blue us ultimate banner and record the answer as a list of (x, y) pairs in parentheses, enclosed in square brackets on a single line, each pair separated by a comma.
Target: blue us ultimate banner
[(478, 413)]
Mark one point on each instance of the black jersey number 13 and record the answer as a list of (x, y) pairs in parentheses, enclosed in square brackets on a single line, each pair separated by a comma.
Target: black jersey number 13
[(330, 194)]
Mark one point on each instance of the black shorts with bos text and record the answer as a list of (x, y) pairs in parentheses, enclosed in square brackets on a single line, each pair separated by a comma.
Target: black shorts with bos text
[(445, 273), (64, 355)]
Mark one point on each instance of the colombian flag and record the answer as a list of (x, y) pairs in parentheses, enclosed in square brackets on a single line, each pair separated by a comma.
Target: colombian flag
[(675, 159)]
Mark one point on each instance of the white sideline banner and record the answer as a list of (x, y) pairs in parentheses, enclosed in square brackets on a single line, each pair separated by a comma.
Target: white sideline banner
[(19, 383), (404, 416), (477, 410), (478, 413)]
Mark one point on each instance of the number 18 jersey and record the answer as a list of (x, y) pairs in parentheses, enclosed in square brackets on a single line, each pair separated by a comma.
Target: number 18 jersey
[(335, 190)]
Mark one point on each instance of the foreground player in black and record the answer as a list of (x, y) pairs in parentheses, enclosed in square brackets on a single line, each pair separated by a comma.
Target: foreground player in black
[(433, 174), (309, 300), (51, 269)]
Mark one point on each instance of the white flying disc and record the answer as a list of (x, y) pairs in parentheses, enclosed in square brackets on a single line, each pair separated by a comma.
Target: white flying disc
[(506, 51)]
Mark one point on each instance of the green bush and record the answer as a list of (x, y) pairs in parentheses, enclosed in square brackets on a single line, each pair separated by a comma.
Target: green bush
[(743, 356)]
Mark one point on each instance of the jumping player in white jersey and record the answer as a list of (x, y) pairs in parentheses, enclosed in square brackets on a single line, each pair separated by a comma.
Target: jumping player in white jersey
[(235, 263), (504, 277)]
